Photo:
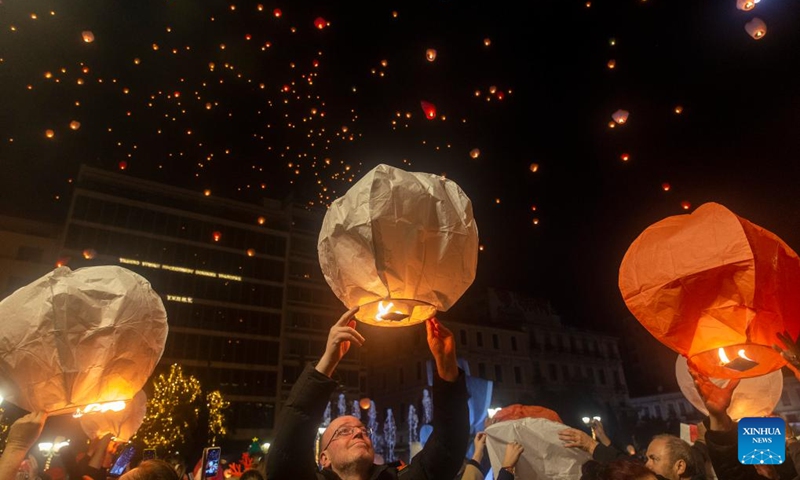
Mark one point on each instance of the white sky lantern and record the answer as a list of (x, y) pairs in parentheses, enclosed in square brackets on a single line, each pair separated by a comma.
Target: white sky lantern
[(430, 54), (122, 424), (745, 5), (756, 28), (620, 116), (72, 339), (753, 397), (401, 245), (88, 36)]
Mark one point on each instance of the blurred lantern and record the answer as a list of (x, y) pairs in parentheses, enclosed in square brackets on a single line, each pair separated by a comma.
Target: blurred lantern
[(534, 167), (430, 54), (78, 339), (261, 220), (122, 425), (678, 109), (745, 5), (475, 153), (251, 252), (612, 124), (49, 133), (88, 36), (536, 221), (686, 205), (277, 12), (364, 403), (625, 157), (429, 109), (715, 288), (612, 64), (753, 397), (217, 235), (89, 253), (123, 165), (487, 41), (415, 241), (320, 23), (74, 125), (207, 192), (756, 28), (665, 186), (620, 116)]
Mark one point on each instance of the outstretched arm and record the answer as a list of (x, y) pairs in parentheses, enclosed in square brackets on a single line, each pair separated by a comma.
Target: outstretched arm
[(341, 334), (24, 432)]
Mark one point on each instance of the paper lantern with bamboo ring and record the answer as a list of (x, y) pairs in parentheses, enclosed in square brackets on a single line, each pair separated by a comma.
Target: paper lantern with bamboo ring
[(122, 424), (401, 245), (72, 339), (715, 288)]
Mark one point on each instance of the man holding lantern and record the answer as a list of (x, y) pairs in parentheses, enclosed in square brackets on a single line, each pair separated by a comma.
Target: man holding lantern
[(346, 451)]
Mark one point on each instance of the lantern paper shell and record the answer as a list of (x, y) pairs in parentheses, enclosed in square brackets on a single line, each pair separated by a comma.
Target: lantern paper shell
[(756, 28), (121, 425), (401, 245), (745, 5), (620, 116), (73, 338), (753, 397), (715, 288)]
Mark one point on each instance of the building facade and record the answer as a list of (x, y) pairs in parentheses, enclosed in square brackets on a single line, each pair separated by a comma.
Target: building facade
[(28, 250)]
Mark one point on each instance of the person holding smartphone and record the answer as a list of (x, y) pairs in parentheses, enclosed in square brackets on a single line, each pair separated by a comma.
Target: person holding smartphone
[(346, 451)]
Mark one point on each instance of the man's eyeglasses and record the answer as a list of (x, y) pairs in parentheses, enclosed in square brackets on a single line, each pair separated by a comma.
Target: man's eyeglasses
[(347, 431)]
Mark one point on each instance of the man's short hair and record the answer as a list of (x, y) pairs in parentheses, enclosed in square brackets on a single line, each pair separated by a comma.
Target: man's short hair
[(677, 449), (152, 470)]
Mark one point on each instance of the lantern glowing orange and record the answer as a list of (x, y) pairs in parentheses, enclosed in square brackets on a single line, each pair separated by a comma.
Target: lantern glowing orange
[(745, 5), (620, 116), (364, 403), (74, 125), (686, 204), (122, 424), (320, 23), (416, 242), (89, 253), (88, 36), (475, 153), (123, 165), (79, 339), (277, 12), (251, 252), (217, 235), (430, 54), (611, 64), (429, 109), (665, 186), (756, 28), (49, 133), (625, 157), (678, 109), (534, 167), (261, 220), (715, 288)]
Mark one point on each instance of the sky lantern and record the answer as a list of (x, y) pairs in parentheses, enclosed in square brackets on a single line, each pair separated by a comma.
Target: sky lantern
[(611, 64), (415, 239), (74, 125), (251, 252), (261, 220), (625, 157), (715, 288), (122, 165), (207, 192), (745, 5), (121, 424), (277, 12), (89, 253), (80, 341), (678, 109), (49, 133), (475, 153), (429, 109), (686, 204), (665, 186), (88, 36), (534, 167), (487, 41), (364, 403), (620, 116), (217, 235), (320, 23), (756, 28), (430, 54)]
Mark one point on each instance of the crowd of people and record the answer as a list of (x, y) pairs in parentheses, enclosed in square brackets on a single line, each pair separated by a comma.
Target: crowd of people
[(344, 451)]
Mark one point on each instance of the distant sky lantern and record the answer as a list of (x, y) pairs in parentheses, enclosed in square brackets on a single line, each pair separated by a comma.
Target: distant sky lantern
[(429, 109), (678, 109), (277, 12), (534, 167), (122, 165), (89, 253), (364, 403), (686, 205), (320, 23), (261, 220), (475, 153), (756, 28), (612, 41), (715, 288), (612, 64), (612, 124), (217, 236), (745, 5), (430, 54), (207, 192), (620, 116), (251, 252), (487, 41), (416, 242), (49, 133), (536, 221), (88, 36), (625, 157), (92, 338), (74, 125), (533, 208), (260, 7), (665, 186)]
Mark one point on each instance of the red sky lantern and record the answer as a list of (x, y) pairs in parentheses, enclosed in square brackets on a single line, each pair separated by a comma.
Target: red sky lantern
[(686, 204), (122, 165), (625, 157), (715, 288), (277, 12), (74, 125), (216, 236), (320, 23), (665, 186), (429, 109)]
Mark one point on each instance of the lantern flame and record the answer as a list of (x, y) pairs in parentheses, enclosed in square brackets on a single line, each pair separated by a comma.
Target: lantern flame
[(117, 406), (723, 358), (383, 310)]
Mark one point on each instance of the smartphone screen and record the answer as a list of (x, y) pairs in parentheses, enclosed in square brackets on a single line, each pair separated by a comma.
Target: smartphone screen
[(211, 456), (122, 462), (148, 454)]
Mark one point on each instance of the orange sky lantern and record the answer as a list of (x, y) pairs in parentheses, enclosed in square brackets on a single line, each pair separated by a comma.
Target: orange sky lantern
[(756, 28), (534, 167), (89, 253), (625, 157), (277, 12), (261, 220), (611, 64), (74, 125), (87, 36), (745, 5), (320, 23), (429, 109), (678, 109), (475, 153), (620, 116), (122, 165), (364, 403), (251, 252), (487, 41), (665, 186), (686, 204), (49, 133), (715, 288), (217, 235), (430, 54)]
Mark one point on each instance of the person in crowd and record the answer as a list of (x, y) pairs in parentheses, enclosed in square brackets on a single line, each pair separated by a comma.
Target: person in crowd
[(21, 436), (345, 448), (151, 470), (179, 465), (473, 471), (620, 469), (251, 474)]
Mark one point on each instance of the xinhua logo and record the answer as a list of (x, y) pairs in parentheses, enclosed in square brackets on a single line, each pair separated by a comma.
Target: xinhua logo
[(762, 440)]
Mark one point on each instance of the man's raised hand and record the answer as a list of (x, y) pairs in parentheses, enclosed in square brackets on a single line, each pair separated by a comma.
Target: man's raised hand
[(339, 337)]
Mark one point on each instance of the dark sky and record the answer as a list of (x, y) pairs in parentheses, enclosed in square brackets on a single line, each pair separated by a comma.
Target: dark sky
[(289, 109)]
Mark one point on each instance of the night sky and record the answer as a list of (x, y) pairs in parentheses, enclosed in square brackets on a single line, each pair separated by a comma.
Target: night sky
[(244, 100)]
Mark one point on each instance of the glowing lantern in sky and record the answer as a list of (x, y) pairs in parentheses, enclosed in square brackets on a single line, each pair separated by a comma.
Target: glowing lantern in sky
[(625, 157), (261, 220), (123, 165), (364, 403), (277, 12), (122, 424), (620, 116), (678, 109), (686, 205), (612, 64), (430, 54), (49, 133), (401, 245), (217, 235), (475, 153), (745, 5), (534, 167), (715, 288), (88, 36), (487, 41), (251, 252), (207, 192), (74, 125), (89, 253), (756, 28), (429, 109), (320, 23), (665, 186), (75, 339)]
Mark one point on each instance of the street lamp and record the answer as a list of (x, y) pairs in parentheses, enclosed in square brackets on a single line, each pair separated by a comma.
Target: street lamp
[(50, 449), (588, 422)]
